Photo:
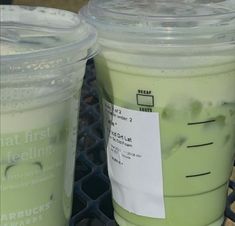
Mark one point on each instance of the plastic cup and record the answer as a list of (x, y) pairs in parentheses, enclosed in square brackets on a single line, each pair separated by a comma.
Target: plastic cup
[(166, 76), (43, 57)]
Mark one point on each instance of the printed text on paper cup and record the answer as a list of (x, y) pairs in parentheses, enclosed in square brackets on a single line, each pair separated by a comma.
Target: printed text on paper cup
[(134, 159)]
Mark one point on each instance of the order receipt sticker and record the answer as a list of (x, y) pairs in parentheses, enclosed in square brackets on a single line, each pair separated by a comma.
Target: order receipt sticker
[(134, 160)]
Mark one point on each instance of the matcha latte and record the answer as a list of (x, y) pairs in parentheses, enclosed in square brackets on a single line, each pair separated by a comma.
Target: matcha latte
[(166, 75), (197, 135), (42, 69)]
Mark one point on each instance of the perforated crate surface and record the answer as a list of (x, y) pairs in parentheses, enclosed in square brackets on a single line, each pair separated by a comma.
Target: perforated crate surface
[(92, 204)]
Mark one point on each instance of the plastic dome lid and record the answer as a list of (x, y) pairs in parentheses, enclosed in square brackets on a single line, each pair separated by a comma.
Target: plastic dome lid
[(30, 33), (164, 22)]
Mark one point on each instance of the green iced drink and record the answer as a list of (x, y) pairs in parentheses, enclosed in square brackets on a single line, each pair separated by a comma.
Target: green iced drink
[(166, 78), (37, 162), (43, 56), (197, 134)]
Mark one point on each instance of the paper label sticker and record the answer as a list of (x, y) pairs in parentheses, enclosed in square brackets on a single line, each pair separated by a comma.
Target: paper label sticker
[(134, 160)]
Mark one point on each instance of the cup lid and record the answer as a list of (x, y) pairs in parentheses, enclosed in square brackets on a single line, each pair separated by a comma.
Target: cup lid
[(34, 32), (164, 22)]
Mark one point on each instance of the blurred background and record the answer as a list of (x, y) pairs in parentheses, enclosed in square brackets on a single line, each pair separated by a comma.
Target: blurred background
[(72, 5)]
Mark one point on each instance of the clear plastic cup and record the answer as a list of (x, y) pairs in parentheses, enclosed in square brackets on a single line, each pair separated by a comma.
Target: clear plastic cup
[(166, 75), (43, 57)]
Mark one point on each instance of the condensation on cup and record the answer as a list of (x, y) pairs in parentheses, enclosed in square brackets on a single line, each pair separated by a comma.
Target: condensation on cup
[(43, 57), (166, 75)]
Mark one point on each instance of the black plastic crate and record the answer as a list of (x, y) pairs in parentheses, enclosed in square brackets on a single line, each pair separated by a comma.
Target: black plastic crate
[(92, 203)]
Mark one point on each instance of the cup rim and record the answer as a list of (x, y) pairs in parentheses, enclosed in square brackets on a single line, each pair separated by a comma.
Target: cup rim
[(204, 28), (88, 42)]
